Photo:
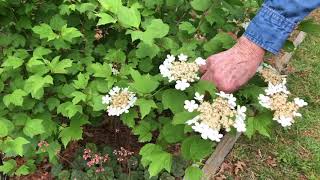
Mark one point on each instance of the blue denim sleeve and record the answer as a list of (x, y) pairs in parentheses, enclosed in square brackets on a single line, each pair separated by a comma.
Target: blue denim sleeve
[(274, 22)]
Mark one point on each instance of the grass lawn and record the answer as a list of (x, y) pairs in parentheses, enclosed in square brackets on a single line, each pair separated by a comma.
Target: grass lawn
[(293, 153)]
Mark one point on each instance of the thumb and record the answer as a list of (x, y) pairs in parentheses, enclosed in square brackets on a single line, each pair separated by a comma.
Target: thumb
[(203, 69)]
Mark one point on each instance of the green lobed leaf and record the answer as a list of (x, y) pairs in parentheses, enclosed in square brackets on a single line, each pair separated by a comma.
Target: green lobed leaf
[(13, 62), (174, 100), (8, 166), (129, 118), (193, 173), (81, 82), (260, 123), (68, 134), (16, 145), (145, 106), (183, 117), (187, 26), (35, 85), (16, 98), (155, 29), (68, 34), (173, 133), (68, 109), (143, 130), (45, 31), (201, 5), (33, 127), (218, 43), (157, 159), (143, 83), (111, 5), (78, 96), (129, 17), (195, 148), (105, 19), (6, 127), (99, 70), (22, 170), (59, 67)]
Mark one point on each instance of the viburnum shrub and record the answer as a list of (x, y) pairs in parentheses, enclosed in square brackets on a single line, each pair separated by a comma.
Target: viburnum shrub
[(67, 63)]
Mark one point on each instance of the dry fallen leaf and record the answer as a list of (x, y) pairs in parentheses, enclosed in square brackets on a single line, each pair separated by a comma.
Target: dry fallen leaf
[(271, 161), (239, 166)]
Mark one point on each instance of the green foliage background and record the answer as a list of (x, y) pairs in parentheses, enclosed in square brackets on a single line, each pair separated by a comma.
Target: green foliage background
[(56, 64)]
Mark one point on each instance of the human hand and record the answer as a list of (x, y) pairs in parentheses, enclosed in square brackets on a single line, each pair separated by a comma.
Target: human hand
[(231, 69)]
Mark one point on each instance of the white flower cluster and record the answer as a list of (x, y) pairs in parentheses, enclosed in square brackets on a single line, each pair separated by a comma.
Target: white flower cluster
[(222, 113), (181, 71), (276, 97), (119, 101)]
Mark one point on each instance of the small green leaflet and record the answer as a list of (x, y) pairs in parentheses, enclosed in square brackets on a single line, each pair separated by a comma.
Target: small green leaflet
[(59, 67), (193, 173), (69, 33), (174, 100), (13, 62), (86, 7), (187, 26), (173, 133), (78, 96), (8, 166), (35, 85), (155, 29), (143, 83), (52, 103), (310, 26), (22, 170), (129, 17), (260, 123), (205, 86), (40, 51), (219, 43), (157, 159), (16, 145), (81, 82), (57, 22), (68, 109), (147, 50), (16, 98), (145, 106), (99, 70), (6, 127), (74, 131), (68, 134), (33, 127), (143, 130), (53, 149), (105, 19), (45, 31), (129, 118), (95, 102), (111, 5), (183, 117), (195, 148), (201, 5)]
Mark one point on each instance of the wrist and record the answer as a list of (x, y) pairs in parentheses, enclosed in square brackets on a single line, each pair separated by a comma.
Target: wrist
[(245, 44)]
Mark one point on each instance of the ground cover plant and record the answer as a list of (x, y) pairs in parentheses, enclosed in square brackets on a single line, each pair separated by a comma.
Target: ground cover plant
[(67, 64)]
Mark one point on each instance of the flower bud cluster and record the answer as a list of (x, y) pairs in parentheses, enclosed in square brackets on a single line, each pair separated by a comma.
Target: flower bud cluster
[(223, 113), (119, 101), (276, 97), (43, 145), (94, 159), (181, 71), (123, 154)]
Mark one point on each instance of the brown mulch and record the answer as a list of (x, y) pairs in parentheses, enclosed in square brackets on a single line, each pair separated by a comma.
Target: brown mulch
[(110, 132)]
